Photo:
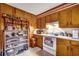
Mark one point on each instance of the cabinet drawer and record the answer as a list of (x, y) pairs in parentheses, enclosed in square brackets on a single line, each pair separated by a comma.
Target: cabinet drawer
[(75, 43)]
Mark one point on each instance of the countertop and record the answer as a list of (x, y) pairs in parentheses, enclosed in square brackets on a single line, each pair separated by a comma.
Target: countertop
[(63, 37)]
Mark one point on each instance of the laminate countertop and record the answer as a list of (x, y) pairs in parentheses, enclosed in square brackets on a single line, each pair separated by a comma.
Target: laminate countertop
[(63, 37)]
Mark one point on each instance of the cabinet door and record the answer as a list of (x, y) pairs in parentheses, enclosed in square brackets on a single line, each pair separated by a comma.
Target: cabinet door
[(63, 47), (75, 16), (65, 18), (75, 50), (48, 18), (40, 41), (62, 50), (33, 21), (43, 23), (38, 23), (54, 17)]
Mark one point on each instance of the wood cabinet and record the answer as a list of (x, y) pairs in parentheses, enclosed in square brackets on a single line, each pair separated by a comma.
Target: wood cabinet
[(32, 21), (39, 41), (75, 16), (38, 23), (54, 17), (36, 41), (41, 23), (67, 47), (48, 18), (69, 18), (65, 18), (75, 48), (63, 47)]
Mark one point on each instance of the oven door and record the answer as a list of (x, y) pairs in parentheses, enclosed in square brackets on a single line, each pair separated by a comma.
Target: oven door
[(48, 41), (49, 44)]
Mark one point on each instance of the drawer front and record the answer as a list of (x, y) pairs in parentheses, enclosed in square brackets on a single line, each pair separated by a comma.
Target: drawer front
[(75, 43)]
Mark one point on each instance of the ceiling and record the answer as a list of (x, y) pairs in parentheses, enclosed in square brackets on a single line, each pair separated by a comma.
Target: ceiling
[(35, 8)]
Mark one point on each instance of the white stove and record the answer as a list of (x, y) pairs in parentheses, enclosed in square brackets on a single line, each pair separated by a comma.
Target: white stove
[(49, 44)]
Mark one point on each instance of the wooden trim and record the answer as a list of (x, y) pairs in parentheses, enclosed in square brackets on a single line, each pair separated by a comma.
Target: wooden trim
[(57, 9)]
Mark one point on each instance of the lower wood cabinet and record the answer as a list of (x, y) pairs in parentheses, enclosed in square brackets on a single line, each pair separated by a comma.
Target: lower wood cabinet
[(62, 50), (62, 47), (67, 47), (75, 48), (41, 23), (39, 41)]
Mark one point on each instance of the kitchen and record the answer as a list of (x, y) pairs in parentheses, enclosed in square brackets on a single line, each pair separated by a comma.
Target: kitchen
[(52, 32)]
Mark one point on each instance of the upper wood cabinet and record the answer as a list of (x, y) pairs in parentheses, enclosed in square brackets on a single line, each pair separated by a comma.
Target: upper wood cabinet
[(54, 16), (67, 47), (43, 22), (69, 18), (38, 23), (75, 16), (48, 18), (65, 18), (32, 21), (6, 9)]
